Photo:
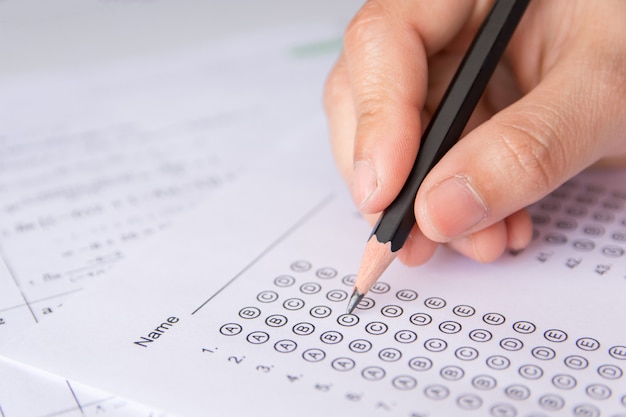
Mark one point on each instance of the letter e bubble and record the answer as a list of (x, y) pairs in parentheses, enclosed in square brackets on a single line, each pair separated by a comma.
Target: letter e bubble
[(326, 273), (406, 295), (494, 319), (380, 288), (588, 344), (524, 327), (435, 303), (618, 352), (464, 311), (555, 335)]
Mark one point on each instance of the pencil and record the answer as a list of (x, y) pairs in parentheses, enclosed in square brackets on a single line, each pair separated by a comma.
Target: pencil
[(443, 131)]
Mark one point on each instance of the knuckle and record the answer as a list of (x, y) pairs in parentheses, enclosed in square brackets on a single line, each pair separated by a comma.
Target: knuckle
[(372, 103)]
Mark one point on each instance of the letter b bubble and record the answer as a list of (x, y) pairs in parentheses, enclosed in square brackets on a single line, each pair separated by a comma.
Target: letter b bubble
[(331, 337), (249, 313), (360, 345), (303, 329)]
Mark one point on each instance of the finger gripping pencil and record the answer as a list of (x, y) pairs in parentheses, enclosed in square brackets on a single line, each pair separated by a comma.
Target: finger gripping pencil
[(443, 131)]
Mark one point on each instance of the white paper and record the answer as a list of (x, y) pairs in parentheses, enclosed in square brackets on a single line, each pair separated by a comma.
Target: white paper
[(539, 333), (29, 392), (97, 162)]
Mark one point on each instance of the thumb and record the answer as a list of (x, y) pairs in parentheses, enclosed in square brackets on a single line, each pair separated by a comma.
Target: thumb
[(566, 123)]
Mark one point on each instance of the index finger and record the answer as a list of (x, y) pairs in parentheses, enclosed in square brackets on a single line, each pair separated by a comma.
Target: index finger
[(386, 51)]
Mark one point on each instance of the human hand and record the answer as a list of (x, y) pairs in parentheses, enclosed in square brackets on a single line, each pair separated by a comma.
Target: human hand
[(555, 105)]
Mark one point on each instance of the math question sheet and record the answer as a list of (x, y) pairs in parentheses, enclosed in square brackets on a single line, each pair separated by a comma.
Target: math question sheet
[(94, 162), (246, 313)]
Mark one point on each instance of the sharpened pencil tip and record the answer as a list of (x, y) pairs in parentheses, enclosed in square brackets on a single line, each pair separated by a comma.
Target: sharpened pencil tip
[(355, 299)]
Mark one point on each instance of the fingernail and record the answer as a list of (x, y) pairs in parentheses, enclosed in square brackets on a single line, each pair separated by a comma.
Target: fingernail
[(454, 206), (364, 183)]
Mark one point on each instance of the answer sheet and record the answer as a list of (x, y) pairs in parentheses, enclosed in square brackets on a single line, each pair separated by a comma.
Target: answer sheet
[(245, 314)]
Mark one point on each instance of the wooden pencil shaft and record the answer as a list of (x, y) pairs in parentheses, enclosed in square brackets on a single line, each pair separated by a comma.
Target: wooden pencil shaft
[(451, 116)]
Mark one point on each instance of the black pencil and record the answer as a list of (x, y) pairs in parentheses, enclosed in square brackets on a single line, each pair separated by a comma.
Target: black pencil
[(443, 131)]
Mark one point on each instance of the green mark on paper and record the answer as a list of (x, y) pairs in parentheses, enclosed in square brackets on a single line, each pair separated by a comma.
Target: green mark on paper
[(317, 48)]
